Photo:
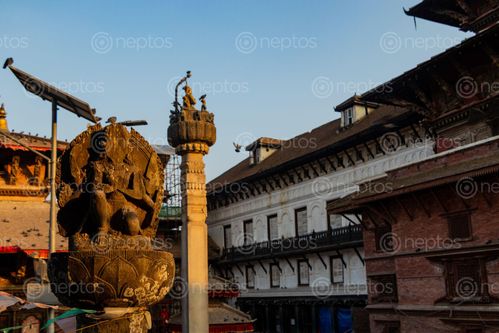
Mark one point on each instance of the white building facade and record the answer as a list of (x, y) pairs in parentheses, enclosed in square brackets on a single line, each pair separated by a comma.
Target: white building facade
[(300, 268)]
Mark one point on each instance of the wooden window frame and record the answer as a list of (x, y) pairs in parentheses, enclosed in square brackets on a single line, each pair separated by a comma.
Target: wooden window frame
[(248, 269), (298, 262), (382, 280), (331, 259), (452, 280), (268, 227), (227, 226), (270, 275), (466, 214), (299, 210), (248, 239)]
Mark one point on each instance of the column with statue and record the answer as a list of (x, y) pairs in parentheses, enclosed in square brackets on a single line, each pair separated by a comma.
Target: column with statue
[(191, 133)]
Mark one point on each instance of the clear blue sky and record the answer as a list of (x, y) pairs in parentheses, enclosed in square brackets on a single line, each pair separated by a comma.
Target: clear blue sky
[(270, 68)]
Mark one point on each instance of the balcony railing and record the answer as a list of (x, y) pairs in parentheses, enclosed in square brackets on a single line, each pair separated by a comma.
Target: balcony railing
[(316, 241)]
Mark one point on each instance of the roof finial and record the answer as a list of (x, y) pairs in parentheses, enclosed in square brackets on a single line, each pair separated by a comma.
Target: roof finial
[(3, 119)]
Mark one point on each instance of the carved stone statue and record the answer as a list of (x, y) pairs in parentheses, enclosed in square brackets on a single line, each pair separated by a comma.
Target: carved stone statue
[(110, 191), (188, 100), (111, 183)]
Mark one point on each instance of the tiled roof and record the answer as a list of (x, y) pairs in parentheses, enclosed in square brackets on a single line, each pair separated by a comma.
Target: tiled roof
[(451, 166), (25, 226), (32, 141), (321, 140)]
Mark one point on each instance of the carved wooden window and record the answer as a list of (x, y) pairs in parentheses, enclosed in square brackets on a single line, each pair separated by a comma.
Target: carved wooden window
[(250, 277), (272, 230), (384, 288), (248, 232), (301, 221), (337, 272), (460, 226), (303, 273), (275, 276), (383, 238), (227, 236), (465, 280)]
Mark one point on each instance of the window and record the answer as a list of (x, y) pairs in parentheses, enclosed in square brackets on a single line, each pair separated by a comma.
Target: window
[(337, 272), (275, 276), (303, 272), (227, 237), (334, 221), (272, 227), (301, 221), (248, 232), (459, 226), (348, 117), (384, 288), (250, 277), (383, 238), (464, 279)]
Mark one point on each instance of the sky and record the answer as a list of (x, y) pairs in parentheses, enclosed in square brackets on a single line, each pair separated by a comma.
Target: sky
[(273, 68)]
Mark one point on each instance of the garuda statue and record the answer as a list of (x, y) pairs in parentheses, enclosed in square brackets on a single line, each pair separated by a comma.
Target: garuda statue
[(110, 190), (111, 184)]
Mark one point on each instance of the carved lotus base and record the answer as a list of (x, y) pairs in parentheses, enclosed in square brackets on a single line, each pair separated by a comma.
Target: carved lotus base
[(116, 278)]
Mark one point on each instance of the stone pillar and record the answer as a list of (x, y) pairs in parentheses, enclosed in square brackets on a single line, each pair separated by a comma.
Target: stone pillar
[(192, 132), (195, 237)]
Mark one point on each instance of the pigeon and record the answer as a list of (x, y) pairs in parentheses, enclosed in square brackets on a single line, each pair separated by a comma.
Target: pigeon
[(237, 146)]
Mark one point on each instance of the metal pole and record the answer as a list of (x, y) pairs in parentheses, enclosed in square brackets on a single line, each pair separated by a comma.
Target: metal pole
[(53, 168)]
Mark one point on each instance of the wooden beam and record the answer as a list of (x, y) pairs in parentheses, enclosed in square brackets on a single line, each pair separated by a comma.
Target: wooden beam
[(359, 153), (322, 166), (289, 263), (360, 257), (349, 157), (420, 203), (369, 150), (371, 217), (438, 200), (341, 257), (322, 260), (392, 218), (349, 219), (401, 204), (277, 264), (340, 161), (263, 267), (415, 132), (331, 163), (307, 261)]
